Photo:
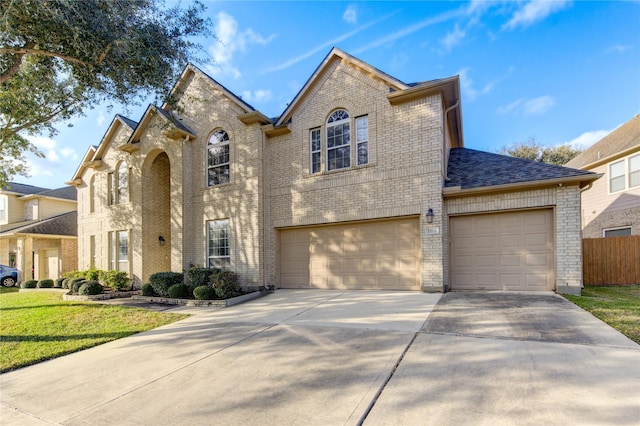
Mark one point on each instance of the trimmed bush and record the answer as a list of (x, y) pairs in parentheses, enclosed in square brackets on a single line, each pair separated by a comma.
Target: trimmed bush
[(178, 291), (197, 277), (89, 288), (65, 282), (161, 281), (45, 284), (226, 284), (91, 274), (29, 284), (75, 283), (58, 283), (147, 290), (204, 292), (116, 280)]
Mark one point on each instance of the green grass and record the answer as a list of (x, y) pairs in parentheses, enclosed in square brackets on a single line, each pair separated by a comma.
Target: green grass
[(4, 290), (617, 306), (37, 326)]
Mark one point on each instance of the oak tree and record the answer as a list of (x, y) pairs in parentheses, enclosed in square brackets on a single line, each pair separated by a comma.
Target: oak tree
[(531, 150)]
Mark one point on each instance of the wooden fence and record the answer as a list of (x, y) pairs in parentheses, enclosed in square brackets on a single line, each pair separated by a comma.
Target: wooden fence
[(611, 261)]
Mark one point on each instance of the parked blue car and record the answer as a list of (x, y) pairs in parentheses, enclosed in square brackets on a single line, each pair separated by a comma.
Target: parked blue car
[(8, 276)]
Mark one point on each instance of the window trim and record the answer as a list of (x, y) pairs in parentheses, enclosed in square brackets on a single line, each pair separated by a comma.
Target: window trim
[(362, 142), (318, 151), (209, 257), (604, 230), (92, 194), (114, 251), (226, 141)]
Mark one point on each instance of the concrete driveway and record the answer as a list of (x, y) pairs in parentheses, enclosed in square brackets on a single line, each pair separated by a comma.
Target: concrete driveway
[(339, 357)]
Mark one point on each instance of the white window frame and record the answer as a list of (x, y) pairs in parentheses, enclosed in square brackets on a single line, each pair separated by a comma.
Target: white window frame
[(222, 258), (315, 136), (92, 251), (626, 175), (3, 209), (118, 262), (338, 119), (92, 194), (122, 183), (604, 231), (362, 139), (219, 139)]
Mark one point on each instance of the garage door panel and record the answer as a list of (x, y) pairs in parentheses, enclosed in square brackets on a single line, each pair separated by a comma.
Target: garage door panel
[(513, 249), (372, 255)]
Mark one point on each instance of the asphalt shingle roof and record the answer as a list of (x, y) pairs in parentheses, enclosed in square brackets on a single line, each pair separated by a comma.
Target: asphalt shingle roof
[(66, 192), (21, 188), (469, 168), (624, 137), (64, 224)]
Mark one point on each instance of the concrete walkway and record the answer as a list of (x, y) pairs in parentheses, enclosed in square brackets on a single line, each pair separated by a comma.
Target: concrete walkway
[(334, 357)]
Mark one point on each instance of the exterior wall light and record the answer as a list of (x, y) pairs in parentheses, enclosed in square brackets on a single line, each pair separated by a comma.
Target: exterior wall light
[(430, 215), (161, 240)]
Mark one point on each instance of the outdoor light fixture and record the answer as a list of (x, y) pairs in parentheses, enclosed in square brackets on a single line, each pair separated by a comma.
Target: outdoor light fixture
[(430, 215), (161, 240)]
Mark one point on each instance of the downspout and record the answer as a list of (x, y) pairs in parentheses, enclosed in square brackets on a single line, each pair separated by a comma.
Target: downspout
[(444, 128)]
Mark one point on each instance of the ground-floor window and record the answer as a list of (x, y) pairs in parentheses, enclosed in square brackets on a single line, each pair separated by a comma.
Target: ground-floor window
[(617, 232), (92, 251), (218, 238), (119, 251)]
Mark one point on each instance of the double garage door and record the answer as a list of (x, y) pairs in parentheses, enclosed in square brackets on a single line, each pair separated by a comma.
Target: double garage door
[(503, 251), (364, 255)]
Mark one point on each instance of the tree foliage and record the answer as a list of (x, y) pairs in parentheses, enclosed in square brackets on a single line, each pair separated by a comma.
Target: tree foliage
[(531, 150), (60, 57)]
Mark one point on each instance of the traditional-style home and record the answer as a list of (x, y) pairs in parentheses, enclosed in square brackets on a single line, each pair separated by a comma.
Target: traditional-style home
[(363, 182), (38, 230), (611, 208)]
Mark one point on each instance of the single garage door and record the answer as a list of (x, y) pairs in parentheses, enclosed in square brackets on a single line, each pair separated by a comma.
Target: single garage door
[(362, 255), (503, 251)]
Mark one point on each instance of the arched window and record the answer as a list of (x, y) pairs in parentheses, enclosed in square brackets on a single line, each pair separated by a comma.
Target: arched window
[(338, 140), (122, 183), (218, 158)]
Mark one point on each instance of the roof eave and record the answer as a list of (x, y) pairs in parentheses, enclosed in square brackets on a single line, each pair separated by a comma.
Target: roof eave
[(582, 180), (610, 158)]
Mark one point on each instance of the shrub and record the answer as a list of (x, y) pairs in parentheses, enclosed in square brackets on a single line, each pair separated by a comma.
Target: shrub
[(147, 290), (65, 282), (161, 281), (58, 283), (75, 283), (29, 284), (178, 291), (91, 274), (45, 283), (73, 274), (197, 277), (226, 284), (116, 280), (204, 292), (89, 288)]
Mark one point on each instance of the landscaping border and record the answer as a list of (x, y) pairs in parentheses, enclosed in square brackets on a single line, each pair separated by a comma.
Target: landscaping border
[(224, 303), (101, 296)]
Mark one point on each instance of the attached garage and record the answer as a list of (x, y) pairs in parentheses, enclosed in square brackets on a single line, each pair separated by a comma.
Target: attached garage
[(362, 255), (503, 251)]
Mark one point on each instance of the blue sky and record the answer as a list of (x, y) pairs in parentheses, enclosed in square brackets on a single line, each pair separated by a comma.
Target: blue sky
[(557, 71)]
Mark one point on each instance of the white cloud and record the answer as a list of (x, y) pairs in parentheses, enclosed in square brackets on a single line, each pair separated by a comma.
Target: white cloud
[(587, 139), (257, 96), (231, 41), (101, 118), (453, 38), (466, 84), (350, 15), (52, 153), (538, 106), (534, 11), (617, 48), (535, 106)]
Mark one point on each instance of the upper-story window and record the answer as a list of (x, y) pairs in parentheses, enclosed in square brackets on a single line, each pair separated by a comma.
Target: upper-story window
[(218, 158), (338, 140), (119, 184), (92, 194), (362, 140), (624, 174), (315, 150), (3, 209)]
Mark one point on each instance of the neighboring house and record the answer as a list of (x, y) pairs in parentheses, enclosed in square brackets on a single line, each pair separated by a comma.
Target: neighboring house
[(611, 207), (361, 183), (38, 230)]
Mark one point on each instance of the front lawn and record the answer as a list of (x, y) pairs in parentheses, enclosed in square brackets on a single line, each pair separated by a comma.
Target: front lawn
[(617, 306), (37, 326)]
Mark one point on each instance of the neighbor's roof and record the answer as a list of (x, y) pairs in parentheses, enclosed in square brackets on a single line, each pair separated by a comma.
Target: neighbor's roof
[(29, 191), (470, 169), (616, 144), (20, 188), (65, 224)]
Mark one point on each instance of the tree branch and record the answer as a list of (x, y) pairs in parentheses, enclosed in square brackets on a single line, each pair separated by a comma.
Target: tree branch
[(15, 63)]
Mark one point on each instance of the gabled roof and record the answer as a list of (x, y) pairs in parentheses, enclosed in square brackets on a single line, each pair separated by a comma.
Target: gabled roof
[(620, 142), (116, 123), (393, 83), (178, 128), (21, 188), (62, 225), (77, 176), (473, 171)]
